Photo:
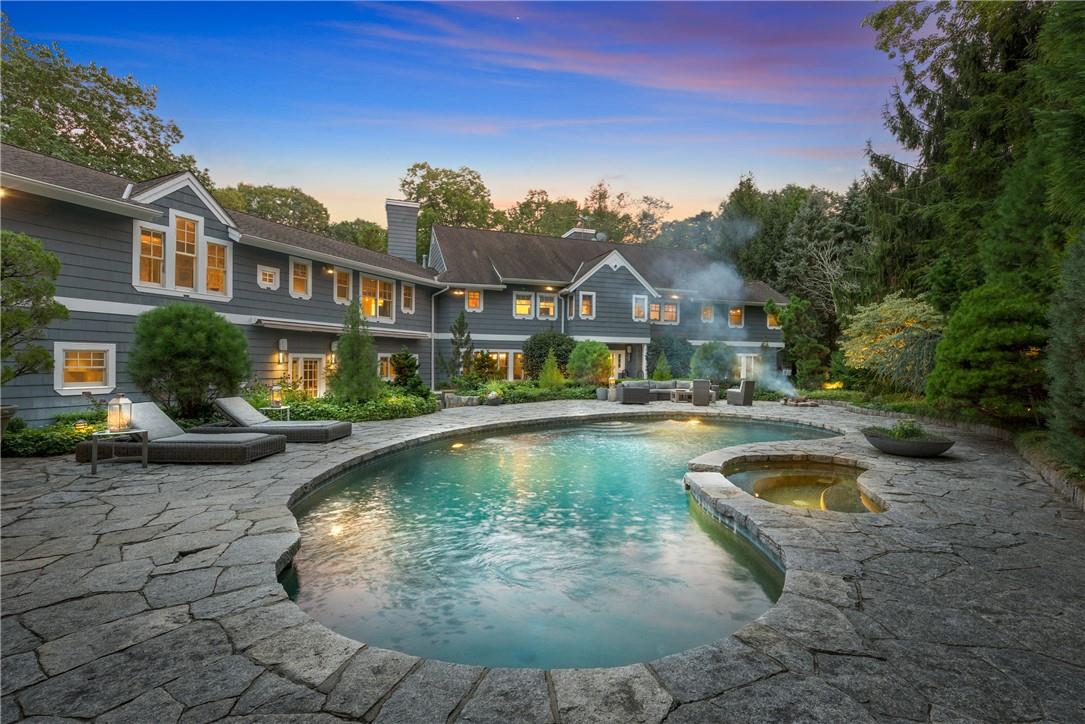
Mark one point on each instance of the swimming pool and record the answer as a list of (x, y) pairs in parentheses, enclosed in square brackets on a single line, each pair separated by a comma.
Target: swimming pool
[(560, 547)]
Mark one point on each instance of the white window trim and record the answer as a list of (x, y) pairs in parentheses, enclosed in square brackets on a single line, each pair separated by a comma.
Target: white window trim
[(481, 300), (580, 305), (308, 294), (414, 291), (169, 283), (260, 269), (110, 367), (663, 310), (767, 317), (570, 307), (736, 326), (383, 356), (746, 360), (322, 377), (137, 249), (376, 318), (539, 298), (336, 270), (531, 305), (643, 298), (711, 317), (509, 375)]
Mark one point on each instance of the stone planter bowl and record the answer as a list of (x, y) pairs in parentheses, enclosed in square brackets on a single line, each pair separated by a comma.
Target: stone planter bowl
[(493, 400), (909, 448)]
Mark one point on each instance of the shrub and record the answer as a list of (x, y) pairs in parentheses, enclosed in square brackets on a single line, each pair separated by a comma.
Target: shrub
[(590, 362), (184, 355), (539, 345), (904, 430), (713, 361), (550, 376), (1065, 363), (990, 359), (388, 404), (27, 276), (802, 348), (355, 378), (484, 366), (677, 350), (895, 340), (405, 368), (662, 369)]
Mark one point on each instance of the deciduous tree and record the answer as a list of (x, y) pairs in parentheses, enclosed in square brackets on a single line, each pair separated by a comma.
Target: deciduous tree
[(362, 233), (290, 206), (457, 197)]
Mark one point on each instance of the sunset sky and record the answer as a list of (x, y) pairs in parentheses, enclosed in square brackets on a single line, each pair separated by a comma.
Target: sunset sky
[(673, 100)]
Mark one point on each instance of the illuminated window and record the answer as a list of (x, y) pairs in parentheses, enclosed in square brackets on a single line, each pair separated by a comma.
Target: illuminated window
[(548, 306), (406, 298), (184, 273), (749, 366), (83, 367), (670, 313), (772, 320), (216, 268), (301, 279), (267, 277), (344, 285), (653, 312), (708, 313), (472, 302), (152, 256), (587, 305), (307, 371), (377, 299), (384, 367), (502, 361), (640, 307), (523, 305), (518, 366), (734, 317)]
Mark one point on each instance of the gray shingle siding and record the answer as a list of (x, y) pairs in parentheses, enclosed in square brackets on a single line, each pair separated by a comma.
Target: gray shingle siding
[(754, 329), (402, 226), (614, 290), (186, 201)]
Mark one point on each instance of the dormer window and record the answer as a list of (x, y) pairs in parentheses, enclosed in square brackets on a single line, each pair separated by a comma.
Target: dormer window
[(185, 261), (152, 256), (178, 260), (216, 268)]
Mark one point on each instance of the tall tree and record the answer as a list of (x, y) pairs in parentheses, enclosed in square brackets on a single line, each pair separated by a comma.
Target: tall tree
[(27, 286), (537, 213), (741, 216), (699, 232), (360, 232), (457, 197), (608, 212), (84, 114), (757, 259), (290, 206), (355, 376)]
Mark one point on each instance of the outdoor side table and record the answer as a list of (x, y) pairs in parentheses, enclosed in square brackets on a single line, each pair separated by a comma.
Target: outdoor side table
[(105, 435), (280, 408), (681, 394)]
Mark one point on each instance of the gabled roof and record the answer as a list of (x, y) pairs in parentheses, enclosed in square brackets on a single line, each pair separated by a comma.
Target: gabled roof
[(478, 256)]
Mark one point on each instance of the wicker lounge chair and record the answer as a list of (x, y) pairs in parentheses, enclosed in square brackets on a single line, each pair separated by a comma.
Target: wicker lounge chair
[(634, 393), (170, 444), (741, 395), (702, 393), (243, 417)]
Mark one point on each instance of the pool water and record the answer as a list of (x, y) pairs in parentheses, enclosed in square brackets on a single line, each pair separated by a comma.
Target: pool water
[(819, 486), (564, 547)]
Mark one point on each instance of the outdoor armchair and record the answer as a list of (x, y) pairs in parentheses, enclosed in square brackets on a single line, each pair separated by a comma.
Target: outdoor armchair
[(741, 395), (243, 417), (702, 393), (170, 444)]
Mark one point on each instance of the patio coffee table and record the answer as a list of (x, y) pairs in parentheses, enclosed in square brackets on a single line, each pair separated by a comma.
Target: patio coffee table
[(679, 394)]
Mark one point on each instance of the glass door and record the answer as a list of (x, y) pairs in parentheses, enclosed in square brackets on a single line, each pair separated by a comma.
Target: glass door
[(307, 371)]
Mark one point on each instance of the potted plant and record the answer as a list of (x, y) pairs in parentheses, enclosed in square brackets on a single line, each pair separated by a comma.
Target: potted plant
[(492, 393), (907, 438), (27, 273)]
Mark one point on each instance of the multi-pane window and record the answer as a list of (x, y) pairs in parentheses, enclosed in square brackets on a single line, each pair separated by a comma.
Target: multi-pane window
[(267, 277), (653, 312), (84, 367), (523, 305), (377, 298), (307, 371), (587, 305), (708, 313), (185, 253), (548, 306), (301, 277), (473, 300), (343, 285), (772, 320), (518, 366), (152, 256), (216, 268), (640, 307), (406, 300), (502, 361), (734, 317), (670, 312), (384, 367)]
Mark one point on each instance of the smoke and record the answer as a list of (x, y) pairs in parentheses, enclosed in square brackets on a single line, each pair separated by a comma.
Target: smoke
[(774, 379)]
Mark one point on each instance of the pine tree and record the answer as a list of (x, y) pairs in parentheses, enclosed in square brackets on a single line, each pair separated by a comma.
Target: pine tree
[(662, 369), (405, 374), (355, 377), (550, 377), (1065, 363), (463, 349)]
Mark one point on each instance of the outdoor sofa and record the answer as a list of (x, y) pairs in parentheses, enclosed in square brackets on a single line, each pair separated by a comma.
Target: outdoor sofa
[(168, 443), (634, 393), (243, 417), (741, 395), (641, 392)]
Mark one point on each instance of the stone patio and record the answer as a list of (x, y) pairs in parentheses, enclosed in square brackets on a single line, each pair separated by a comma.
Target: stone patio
[(151, 596)]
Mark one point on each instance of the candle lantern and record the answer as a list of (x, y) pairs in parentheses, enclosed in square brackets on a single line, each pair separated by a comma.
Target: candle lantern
[(276, 395), (119, 413)]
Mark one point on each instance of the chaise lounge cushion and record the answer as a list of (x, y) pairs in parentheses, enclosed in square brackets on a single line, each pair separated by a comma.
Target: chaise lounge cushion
[(237, 410), (240, 412)]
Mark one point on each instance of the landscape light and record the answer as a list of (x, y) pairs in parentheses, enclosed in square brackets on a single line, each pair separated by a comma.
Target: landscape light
[(276, 395), (457, 445)]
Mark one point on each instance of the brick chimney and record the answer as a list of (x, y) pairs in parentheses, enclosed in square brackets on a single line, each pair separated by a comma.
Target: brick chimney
[(402, 228)]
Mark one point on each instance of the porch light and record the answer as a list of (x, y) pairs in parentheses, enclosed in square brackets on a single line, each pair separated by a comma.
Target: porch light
[(276, 395), (119, 413), (458, 292), (549, 289), (675, 296), (629, 349), (329, 269), (283, 348), (334, 349)]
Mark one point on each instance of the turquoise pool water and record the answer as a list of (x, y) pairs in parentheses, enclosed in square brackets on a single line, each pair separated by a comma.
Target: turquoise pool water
[(564, 547)]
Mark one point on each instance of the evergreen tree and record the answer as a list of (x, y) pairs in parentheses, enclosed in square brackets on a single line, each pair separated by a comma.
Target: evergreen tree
[(355, 377), (405, 374), (803, 349), (678, 351), (550, 376), (713, 361), (662, 370), (1065, 364), (463, 349)]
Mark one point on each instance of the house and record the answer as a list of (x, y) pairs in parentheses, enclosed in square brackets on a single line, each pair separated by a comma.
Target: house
[(128, 245)]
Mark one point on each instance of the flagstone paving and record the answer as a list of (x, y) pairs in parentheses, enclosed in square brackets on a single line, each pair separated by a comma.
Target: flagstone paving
[(151, 596)]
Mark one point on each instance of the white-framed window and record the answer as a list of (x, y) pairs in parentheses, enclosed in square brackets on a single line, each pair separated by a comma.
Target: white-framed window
[(640, 307), (178, 260), (654, 312), (406, 298), (772, 321), (708, 312), (587, 305), (472, 300), (670, 313), (308, 372), (342, 285), (748, 365), (378, 299), (736, 317), (301, 278), (80, 367), (523, 305), (510, 363), (546, 306), (267, 277), (384, 366)]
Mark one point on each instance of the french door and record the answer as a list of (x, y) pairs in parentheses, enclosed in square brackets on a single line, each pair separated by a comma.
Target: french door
[(617, 362), (307, 371)]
